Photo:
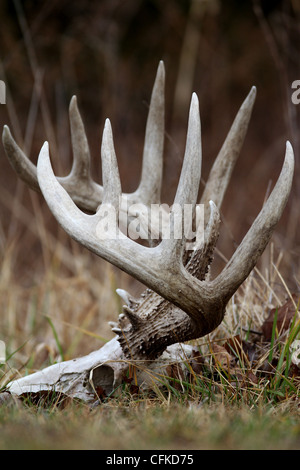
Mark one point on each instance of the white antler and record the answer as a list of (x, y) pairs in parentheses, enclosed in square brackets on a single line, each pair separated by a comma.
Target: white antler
[(88, 195), (180, 303), (161, 268), (84, 191)]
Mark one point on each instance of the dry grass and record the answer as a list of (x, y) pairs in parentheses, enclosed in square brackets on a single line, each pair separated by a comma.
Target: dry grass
[(146, 425), (212, 410), (78, 304)]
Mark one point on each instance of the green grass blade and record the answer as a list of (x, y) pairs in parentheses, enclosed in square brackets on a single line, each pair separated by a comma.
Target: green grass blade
[(59, 347)]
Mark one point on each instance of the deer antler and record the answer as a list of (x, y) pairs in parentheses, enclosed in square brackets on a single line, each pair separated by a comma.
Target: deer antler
[(179, 293), (161, 268), (84, 191), (181, 303), (88, 195)]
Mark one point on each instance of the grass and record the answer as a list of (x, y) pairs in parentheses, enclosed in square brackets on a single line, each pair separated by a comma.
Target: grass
[(242, 394), (145, 424)]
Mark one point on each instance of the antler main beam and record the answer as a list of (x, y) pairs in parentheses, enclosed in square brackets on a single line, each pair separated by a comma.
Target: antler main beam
[(161, 268)]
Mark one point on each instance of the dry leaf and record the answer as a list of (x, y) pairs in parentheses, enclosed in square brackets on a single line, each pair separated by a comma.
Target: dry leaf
[(133, 389), (101, 395), (174, 371), (244, 379), (284, 317), (221, 356), (240, 348)]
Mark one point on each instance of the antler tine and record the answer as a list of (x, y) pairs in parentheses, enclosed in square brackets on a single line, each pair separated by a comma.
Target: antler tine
[(211, 230), (188, 186), (61, 204), (108, 211), (86, 193), (81, 151), (112, 191), (198, 263), (78, 183), (24, 168), (222, 168), (152, 167), (259, 234)]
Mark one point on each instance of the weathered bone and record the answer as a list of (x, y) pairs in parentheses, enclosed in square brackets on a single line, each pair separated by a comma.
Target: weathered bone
[(103, 370), (180, 303)]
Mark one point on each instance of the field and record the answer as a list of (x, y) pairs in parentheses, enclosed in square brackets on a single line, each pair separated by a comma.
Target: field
[(56, 298)]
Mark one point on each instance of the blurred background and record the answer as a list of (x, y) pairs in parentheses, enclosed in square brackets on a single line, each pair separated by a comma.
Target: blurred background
[(107, 52)]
